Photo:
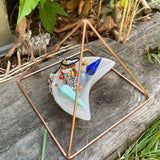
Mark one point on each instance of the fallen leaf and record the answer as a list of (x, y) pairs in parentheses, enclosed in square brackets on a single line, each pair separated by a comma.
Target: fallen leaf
[(107, 25), (72, 5)]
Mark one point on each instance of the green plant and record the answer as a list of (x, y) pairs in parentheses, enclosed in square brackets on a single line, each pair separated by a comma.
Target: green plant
[(147, 147), (44, 143), (123, 3), (154, 56), (47, 11), (112, 4)]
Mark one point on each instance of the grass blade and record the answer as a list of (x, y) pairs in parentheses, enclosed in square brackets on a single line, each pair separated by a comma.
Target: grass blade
[(147, 146), (44, 143)]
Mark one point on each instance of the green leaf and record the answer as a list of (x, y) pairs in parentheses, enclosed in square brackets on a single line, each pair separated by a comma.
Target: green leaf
[(151, 144), (47, 14), (123, 3), (142, 144), (156, 146), (26, 7), (152, 129), (48, 19), (42, 2), (147, 146), (54, 7), (112, 4)]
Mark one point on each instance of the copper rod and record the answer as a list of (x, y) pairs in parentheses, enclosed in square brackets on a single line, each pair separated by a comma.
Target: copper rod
[(128, 80), (51, 65), (54, 49), (106, 131), (74, 29), (121, 75), (39, 115), (77, 91), (84, 23), (83, 148), (99, 36), (92, 53)]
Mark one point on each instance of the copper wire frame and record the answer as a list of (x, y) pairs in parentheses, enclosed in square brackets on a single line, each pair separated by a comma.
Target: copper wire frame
[(139, 87)]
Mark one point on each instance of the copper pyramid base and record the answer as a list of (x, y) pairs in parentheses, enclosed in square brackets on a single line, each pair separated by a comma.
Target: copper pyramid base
[(137, 85)]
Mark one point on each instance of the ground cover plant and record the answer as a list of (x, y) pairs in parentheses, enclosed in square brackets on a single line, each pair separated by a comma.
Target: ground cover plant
[(147, 147), (47, 11)]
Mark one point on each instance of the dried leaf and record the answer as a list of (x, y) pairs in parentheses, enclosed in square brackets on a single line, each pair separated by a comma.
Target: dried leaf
[(71, 5), (98, 24), (63, 3), (107, 25)]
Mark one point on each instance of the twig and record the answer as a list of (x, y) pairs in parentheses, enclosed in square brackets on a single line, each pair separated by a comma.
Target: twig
[(45, 46), (156, 57), (10, 78), (40, 41), (2, 69), (144, 17), (99, 9), (132, 17), (40, 49), (31, 50), (29, 64), (144, 6), (8, 67), (19, 59), (123, 17), (127, 17)]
